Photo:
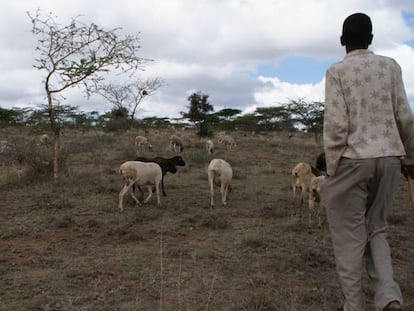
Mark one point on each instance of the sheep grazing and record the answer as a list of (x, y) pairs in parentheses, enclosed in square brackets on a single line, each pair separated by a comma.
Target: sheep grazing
[(219, 174), (220, 136), (315, 197), (321, 163), (176, 144), (210, 146), (4, 146), (140, 174), (166, 164), (142, 141), (228, 142), (302, 175), (44, 139)]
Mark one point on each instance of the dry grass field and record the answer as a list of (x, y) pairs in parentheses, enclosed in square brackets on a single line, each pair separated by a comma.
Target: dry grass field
[(66, 246)]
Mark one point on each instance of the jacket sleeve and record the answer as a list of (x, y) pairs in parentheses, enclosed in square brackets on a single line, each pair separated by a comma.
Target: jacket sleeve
[(335, 127), (404, 118)]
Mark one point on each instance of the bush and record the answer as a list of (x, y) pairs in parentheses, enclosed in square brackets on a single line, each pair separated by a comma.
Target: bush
[(36, 161)]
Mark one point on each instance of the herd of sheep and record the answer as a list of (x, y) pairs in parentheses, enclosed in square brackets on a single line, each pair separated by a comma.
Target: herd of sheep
[(143, 172), (150, 172)]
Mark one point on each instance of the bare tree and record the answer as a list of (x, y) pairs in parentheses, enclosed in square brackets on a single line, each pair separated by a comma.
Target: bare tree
[(129, 96), (78, 55)]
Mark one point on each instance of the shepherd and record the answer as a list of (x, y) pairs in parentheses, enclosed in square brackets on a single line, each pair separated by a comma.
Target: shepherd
[(368, 128)]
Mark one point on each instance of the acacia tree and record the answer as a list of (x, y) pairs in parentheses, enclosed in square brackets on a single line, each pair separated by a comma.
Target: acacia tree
[(128, 97), (198, 109), (308, 114), (78, 54), (275, 118)]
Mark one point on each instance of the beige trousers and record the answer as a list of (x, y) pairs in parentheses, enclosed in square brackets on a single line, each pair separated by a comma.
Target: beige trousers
[(358, 200)]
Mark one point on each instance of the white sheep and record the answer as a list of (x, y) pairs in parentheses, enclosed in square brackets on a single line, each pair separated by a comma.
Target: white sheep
[(228, 141), (4, 146), (140, 174), (176, 144), (219, 174), (44, 139), (142, 141), (220, 136), (210, 146), (315, 197)]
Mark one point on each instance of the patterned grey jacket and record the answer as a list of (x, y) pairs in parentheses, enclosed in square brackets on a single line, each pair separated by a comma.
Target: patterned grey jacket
[(367, 114)]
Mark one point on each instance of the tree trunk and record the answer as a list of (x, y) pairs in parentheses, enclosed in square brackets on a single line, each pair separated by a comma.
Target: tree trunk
[(56, 136), (56, 140)]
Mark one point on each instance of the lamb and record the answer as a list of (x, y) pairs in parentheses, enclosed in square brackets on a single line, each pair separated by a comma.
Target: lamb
[(142, 141), (140, 174), (219, 174), (302, 175), (166, 164), (210, 146), (176, 144), (315, 197)]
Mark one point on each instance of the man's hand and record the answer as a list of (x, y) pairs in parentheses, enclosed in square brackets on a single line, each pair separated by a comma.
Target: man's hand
[(408, 170)]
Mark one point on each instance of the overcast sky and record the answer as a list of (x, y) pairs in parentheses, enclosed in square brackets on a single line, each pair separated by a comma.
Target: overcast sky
[(242, 53)]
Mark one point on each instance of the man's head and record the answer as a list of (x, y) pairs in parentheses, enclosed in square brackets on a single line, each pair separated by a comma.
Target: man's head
[(357, 31)]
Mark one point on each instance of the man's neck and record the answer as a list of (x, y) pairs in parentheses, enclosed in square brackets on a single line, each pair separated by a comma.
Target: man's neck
[(350, 48)]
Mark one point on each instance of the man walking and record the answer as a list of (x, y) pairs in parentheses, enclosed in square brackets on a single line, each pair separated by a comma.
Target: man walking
[(368, 128)]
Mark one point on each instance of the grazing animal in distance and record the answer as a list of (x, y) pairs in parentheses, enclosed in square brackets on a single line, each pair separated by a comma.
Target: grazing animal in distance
[(176, 144), (142, 141), (210, 146), (228, 141), (44, 139)]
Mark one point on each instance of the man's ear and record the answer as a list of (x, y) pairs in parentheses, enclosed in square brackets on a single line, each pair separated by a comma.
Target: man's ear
[(370, 39), (342, 40)]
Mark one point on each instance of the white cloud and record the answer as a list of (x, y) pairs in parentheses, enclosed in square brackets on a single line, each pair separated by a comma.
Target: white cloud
[(213, 46), (277, 92), (404, 55)]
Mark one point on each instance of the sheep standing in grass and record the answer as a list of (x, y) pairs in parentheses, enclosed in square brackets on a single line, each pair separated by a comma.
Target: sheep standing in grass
[(44, 139), (142, 141), (315, 197), (219, 174), (4, 146), (140, 174), (210, 146), (220, 135), (176, 144), (302, 175), (228, 142)]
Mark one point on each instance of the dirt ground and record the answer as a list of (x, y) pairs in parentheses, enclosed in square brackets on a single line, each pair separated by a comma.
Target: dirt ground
[(66, 245)]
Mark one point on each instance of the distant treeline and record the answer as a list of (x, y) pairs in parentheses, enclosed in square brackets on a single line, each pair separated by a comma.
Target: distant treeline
[(291, 117)]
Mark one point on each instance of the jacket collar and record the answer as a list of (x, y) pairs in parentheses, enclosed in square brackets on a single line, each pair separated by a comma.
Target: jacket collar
[(358, 52)]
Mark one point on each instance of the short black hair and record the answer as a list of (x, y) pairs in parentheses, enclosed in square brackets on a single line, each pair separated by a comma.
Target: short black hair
[(357, 29)]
